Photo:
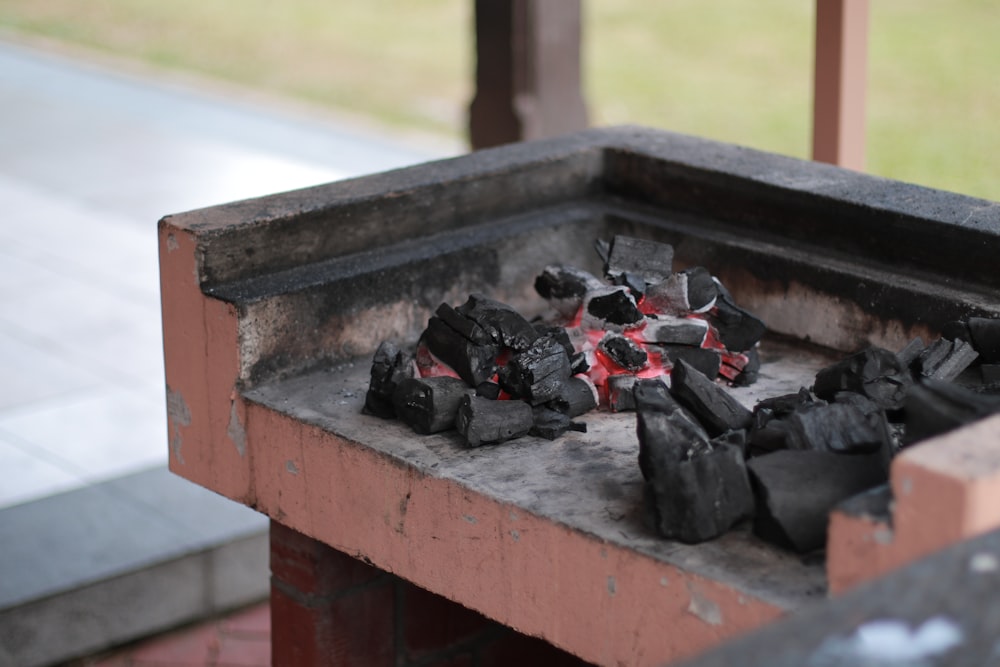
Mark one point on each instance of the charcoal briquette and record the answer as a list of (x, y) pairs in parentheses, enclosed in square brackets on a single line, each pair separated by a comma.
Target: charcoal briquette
[(506, 326), (671, 330), (613, 306), (565, 286), (474, 363), (390, 366), (714, 407), (623, 351), (693, 491), (795, 491), (620, 392), (701, 359), (650, 260), (875, 372), (481, 421), (738, 329), (576, 396), (537, 373), (429, 405)]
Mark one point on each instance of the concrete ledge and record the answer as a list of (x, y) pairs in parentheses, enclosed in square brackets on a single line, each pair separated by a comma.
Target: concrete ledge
[(102, 565)]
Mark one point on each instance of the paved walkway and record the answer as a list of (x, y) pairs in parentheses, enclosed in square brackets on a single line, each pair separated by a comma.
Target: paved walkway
[(89, 161)]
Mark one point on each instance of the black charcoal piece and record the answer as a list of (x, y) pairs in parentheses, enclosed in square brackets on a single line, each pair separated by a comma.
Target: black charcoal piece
[(692, 492), (537, 373), (957, 356), (650, 260), (702, 359), (620, 396), (465, 327), (623, 351), (635, 284), (751, 371), (565, 286), (474, 363), (506, 326), (702, 290), (669, 296), (429, 405), (737, 438), (614, 306), (985, 335), (490, 390), (780, 406), (841, 428), (390, 366), (933, 407), (576, 396), (738, 329), (795, 491), (481, 421), (558, 333), (550, 424), (910, 353), (875, 372), (714, 407), (578, 363), (670, 330)]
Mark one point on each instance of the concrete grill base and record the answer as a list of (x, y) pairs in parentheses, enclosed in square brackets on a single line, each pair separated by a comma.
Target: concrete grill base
[(268, 303)]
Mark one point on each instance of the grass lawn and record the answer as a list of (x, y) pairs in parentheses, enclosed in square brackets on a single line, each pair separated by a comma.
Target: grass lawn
[(724, 69)]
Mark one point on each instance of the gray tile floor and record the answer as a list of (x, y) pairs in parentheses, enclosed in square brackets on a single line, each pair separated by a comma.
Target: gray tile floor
[(89, 161)]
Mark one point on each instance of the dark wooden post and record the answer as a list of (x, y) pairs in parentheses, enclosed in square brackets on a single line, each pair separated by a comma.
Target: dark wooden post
[(840, 82), (527, 71)]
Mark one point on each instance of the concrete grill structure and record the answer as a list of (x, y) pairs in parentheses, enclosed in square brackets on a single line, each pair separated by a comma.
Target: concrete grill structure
[(272, 308)]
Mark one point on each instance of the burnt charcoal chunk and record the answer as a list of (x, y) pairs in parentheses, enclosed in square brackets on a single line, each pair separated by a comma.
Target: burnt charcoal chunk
[(506, 326), (481, 421), (650, 260), (635, 284), (669, 330), (565, 286), (490, 390), (933, 407), (576, 396), (537, 373), (911, 352), (578, 363), (474, 363), (985, 338), (669, 296), (795, 491), (780, 406), (751, 371), (692, 492), (550, 424), (615, 307), (701, 359), (623, 351), (620, 392), (838, 427), (465, 327), (429, 405), (651, 395), (390, 366), (738, 329), (945, 360), (702, 290), (875, 372), (558, 333), (714, 407)]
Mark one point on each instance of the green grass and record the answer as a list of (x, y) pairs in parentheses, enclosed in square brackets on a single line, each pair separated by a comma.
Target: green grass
[(723, 69)]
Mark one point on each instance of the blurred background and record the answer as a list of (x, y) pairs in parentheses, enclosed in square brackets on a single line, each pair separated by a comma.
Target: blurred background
[(718, 69)]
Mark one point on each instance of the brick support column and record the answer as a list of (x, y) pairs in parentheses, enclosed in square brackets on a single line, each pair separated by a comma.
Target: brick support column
[(328, 608)]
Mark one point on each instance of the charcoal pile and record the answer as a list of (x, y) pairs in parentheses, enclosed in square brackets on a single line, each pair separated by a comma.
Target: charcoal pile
[(708, 462), (483, 369)]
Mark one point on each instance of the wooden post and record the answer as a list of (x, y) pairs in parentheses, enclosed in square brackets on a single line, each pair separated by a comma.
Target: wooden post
[(840, 82), (527, 71)]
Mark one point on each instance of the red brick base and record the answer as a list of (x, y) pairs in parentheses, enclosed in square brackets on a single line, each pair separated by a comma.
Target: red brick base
[(328, 608)]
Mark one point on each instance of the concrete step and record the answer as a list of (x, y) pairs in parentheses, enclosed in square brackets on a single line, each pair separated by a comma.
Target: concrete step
[(92, 568)]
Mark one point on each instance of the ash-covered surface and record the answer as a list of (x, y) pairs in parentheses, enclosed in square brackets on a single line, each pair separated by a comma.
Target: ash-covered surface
[(588, 481)]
